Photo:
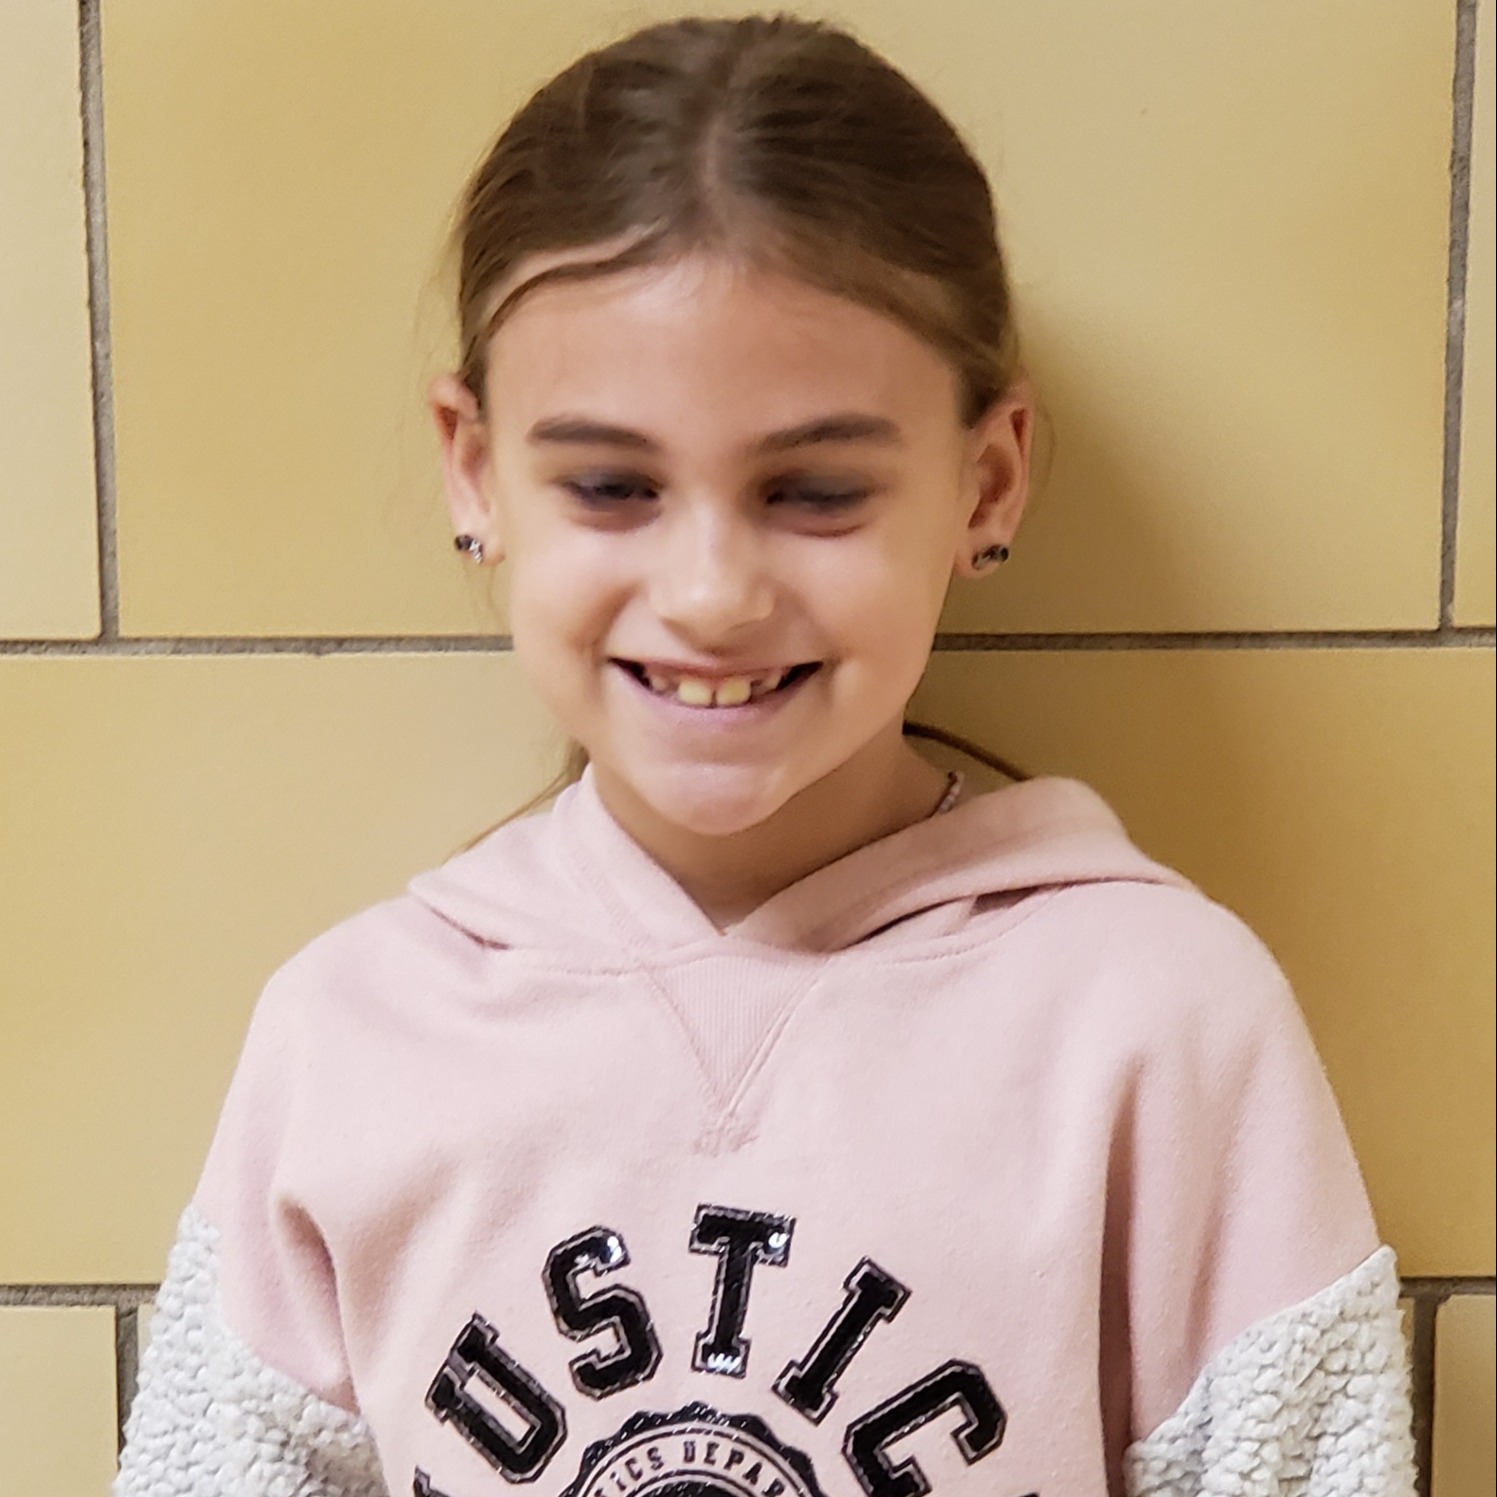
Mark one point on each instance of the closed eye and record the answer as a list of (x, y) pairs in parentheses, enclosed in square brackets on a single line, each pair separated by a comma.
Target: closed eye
[(826, 501), (613, 492), (605, 494)]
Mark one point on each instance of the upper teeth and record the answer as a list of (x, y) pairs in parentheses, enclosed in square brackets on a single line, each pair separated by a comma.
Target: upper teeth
[(696, 691)]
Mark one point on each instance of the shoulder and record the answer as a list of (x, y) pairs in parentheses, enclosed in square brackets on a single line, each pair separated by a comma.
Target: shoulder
[(1165, 928), (365, 961), (1087, 902), (1167, 964)]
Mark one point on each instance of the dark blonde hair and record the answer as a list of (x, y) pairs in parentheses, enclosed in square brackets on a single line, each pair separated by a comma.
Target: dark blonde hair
[(780, 142)]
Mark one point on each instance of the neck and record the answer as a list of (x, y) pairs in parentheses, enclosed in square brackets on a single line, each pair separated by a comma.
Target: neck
[(884, 787)]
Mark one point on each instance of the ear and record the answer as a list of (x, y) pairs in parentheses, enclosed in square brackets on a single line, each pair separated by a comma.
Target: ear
[(995, 475), (467, 463)]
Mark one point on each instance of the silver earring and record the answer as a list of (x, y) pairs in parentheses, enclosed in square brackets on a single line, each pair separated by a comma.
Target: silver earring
[(990, 556), (471, 544)]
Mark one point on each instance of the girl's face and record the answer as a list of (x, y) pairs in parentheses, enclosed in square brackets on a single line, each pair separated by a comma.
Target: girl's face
[(730, 505)]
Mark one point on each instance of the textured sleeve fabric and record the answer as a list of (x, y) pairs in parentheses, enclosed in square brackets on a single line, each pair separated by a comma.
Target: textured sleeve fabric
[(211, 1419), (1249, 1296), (1311, 1402), (245, 1389)]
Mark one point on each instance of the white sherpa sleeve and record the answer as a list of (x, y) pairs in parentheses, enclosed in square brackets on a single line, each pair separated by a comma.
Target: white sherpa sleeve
[(1255, 1307), (1311, 1402), (245, 1388), (211, 1419)]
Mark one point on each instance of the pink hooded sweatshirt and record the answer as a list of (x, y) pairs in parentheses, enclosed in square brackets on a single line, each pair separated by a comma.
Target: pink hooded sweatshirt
[(992, 1158)]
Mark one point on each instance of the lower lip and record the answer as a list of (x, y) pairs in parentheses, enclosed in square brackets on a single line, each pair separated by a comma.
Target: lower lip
[(758, 710)]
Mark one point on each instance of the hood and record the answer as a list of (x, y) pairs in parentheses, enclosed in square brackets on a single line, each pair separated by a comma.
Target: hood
[(570, 879)]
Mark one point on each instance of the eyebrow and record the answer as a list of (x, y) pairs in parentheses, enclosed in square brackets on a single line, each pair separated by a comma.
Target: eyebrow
[(845, 426)]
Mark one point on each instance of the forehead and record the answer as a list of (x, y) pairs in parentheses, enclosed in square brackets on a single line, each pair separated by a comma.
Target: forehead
[(703, 340)]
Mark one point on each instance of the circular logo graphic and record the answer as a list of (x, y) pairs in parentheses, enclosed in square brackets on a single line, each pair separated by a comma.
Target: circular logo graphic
[(695, 1452)]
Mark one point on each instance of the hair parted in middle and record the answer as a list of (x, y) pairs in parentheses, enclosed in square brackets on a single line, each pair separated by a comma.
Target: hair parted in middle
[(777, 142)]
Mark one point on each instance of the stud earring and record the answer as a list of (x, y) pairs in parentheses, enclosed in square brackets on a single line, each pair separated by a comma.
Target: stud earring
[(990, 556), (471, 544)]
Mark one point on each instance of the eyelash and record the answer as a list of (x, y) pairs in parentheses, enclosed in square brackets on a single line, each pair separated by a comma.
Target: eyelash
[(821, 501)]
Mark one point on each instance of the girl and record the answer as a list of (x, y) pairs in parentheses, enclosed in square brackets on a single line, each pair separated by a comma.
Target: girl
[(768, 1117)]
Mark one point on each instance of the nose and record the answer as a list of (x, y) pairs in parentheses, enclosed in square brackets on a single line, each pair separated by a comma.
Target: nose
[(708, 578)]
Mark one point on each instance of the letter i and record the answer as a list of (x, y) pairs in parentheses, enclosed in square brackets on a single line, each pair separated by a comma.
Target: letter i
[(872, 1296)]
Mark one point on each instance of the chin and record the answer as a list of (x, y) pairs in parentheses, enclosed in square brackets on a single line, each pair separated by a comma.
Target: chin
[(716, 800)]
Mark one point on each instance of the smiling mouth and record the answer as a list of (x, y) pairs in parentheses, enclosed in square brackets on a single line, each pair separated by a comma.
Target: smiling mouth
[(729, 691)]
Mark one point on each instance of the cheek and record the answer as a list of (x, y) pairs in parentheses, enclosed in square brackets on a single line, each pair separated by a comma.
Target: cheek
[(885, 599), (883, 634), (560, 596), (555, 651)]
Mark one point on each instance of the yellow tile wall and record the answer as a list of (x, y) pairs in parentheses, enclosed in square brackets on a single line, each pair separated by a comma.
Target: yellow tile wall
[(48, 569), (1229, 231), (1204, 255), (1466, 1404), (57, 1407), (1207, 300), (1476, 574), (175, 828)]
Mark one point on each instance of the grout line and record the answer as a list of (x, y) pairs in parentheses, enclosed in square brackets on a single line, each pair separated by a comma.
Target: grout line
[(126, 1368), (1439, 1289), (1462, 96), (318, 644), (1426, 1289), (96, 238), (1245, 639), (76, 1296), (1422, 1369), (1480, 638)]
